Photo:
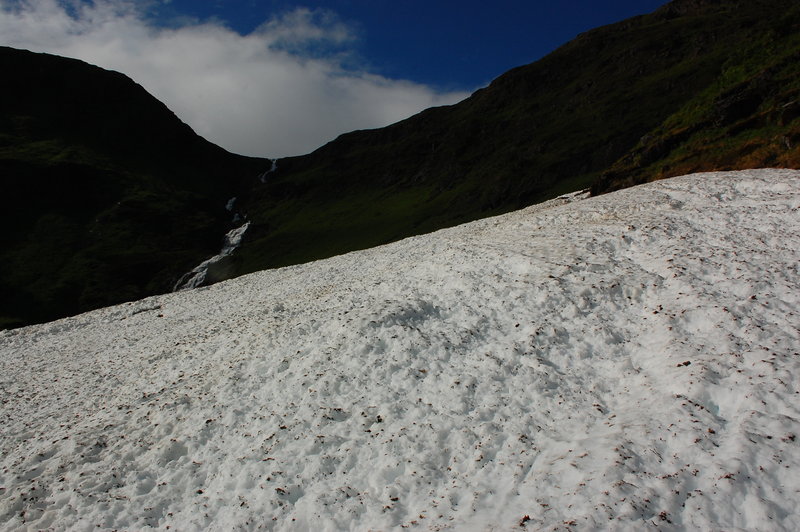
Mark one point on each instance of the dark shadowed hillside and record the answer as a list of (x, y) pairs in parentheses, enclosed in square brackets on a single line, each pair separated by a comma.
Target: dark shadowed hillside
[(108, 196)]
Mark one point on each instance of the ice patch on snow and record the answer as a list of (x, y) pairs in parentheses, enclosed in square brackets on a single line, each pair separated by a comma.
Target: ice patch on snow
[(580, 194)]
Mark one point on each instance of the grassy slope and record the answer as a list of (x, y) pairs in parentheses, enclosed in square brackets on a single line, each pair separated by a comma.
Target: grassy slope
[(748, 118), (108, 196), (537, 131)]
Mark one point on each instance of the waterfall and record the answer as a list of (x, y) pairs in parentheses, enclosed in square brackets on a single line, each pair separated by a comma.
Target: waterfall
[(197, 276)]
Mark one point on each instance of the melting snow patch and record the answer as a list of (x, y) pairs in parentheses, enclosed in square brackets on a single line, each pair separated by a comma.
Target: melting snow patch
[(627, 362)]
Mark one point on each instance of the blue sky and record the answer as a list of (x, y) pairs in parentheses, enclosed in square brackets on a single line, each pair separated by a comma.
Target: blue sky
[(446, 44), (276, 77)]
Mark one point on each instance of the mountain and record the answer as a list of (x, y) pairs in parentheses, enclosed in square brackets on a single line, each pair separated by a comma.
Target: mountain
[(112, 198), (109, 197), (696, 85), (621, 362)]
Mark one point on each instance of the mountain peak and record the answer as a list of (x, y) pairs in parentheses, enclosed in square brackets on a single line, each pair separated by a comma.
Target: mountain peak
[(110, 197)]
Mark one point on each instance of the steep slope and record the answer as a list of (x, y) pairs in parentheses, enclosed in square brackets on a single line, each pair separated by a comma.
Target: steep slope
[(748, 118), (537, 131), (622, 362), (108, 196)]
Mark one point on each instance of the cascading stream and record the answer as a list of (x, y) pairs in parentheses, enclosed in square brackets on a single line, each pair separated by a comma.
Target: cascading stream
[(263, 177), (197, 276), (233, 239)]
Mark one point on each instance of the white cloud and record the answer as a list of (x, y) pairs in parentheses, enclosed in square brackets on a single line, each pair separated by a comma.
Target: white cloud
[(280, 90)]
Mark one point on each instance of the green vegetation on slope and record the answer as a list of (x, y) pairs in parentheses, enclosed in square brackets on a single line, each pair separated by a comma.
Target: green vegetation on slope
[(749, 117), (536, 132)]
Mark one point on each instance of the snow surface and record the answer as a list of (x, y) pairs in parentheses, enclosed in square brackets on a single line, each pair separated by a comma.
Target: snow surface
[(626, 362)]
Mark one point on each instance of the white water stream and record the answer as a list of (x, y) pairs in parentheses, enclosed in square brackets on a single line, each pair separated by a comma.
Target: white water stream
[(263, 177), (197, 276)]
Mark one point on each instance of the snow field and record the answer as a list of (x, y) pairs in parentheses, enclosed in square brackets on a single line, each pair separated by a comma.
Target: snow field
[(629, 361)]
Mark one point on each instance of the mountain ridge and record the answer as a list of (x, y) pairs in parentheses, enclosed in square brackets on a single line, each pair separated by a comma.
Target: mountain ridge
[(697, 85), (539, 130)]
